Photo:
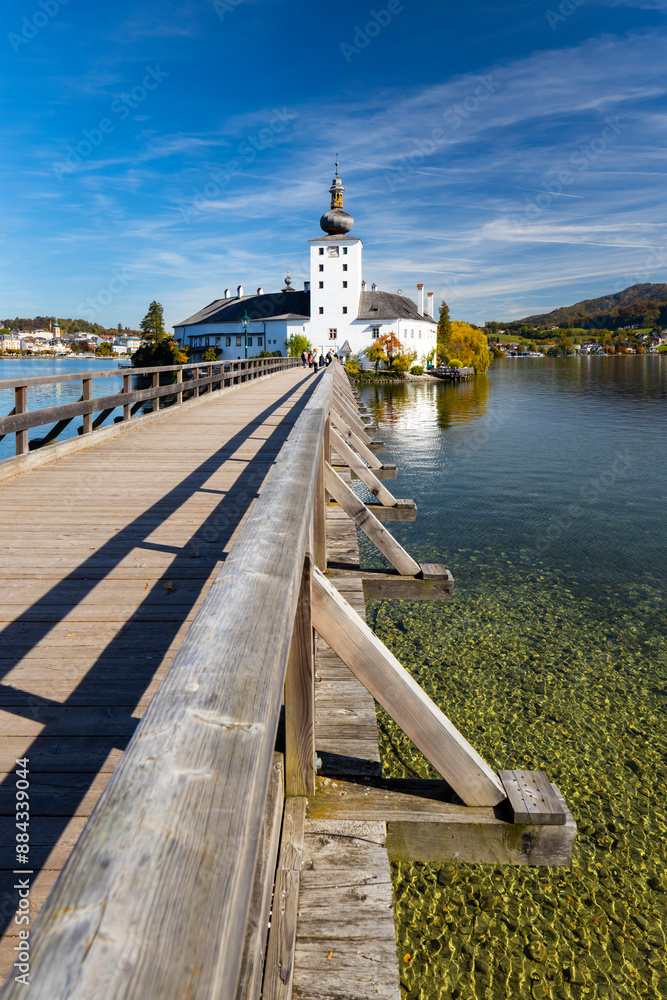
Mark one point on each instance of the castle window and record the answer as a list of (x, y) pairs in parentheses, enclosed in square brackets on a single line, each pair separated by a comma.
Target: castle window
[(344, 250), (376, 332), (238, 341), (321, 251), (217, 341), (321, 310), (259, 341), (249, 341), (345, 267), (344, 309), (345, 284), (321, 284), (321, 267), (333, 334), (228, 341)]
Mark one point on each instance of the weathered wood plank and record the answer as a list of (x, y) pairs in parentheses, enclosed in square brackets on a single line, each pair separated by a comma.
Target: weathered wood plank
[(380, 492), (300, 696), (532, 798), (279, 968)]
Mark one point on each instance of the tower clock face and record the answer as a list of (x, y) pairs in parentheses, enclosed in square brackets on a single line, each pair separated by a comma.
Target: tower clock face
[(333, 251)]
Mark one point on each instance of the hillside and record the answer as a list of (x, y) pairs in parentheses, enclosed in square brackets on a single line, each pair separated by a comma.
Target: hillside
[(640, 305), (68, 327)]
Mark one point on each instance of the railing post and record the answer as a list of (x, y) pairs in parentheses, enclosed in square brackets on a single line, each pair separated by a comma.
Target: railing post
[(300, 695), (327, 453), (156, 385), (319, 511), (21, 406), (179, 383), (86, 395), (127, 387), (195, 378)]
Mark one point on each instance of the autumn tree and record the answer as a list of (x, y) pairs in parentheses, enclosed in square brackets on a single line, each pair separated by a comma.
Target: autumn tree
[(467, 345), (376, 354)]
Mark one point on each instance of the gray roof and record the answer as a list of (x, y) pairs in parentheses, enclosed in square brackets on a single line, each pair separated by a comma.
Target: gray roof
[(387, 305), (274, 305)]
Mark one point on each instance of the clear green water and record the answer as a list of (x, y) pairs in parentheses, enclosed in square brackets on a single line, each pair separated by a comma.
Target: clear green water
[(542, 487)]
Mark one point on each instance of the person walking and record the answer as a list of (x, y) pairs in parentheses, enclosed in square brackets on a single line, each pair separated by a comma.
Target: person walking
[(304, 358), (329, 358), (313, 360), (320, 361)]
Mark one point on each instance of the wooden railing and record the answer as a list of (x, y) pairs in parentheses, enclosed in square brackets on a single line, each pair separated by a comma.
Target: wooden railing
[(185, 382), (155, 898)]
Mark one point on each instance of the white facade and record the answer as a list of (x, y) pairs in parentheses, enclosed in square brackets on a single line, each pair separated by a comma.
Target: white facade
[(335, 285)]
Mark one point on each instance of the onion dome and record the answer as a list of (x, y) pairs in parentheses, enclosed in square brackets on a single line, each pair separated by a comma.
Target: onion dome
[(336, 222)]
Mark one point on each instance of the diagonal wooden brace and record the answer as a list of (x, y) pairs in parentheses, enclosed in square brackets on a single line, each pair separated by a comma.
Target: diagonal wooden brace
[(369, 524), (341, 407), (351, 459), (355, 442), (400, 695)]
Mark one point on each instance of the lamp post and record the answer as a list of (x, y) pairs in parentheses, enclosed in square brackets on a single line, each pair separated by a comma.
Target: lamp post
[(246, 320)]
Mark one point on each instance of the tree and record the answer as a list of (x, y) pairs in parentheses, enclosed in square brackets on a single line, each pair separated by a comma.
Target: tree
[(465, 345), (403, 362), (152, 324), (392, 346), (104, 350), (376, 354), (212, 354), (444, 330), (296, 344)]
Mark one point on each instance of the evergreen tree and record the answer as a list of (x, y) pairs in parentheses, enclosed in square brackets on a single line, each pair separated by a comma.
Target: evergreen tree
[(444, 331), (152, 324)]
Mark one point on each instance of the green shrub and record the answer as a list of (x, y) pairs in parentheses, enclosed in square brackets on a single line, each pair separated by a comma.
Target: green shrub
[(416, 370)]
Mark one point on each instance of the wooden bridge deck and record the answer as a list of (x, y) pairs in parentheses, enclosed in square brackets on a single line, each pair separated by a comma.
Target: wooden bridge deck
[(106, 557)]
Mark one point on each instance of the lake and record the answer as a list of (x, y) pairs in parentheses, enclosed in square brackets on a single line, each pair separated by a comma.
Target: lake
[(542, 488)]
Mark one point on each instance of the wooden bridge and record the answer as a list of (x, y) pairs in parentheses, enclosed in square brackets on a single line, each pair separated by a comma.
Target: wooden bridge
[(188, 703)]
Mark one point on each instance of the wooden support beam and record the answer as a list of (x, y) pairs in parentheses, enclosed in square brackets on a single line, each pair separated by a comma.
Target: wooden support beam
[(400, 695), (279, 968), (385, 585), (320, 516), (341, 407), (355, 442), (370, 525), (156, 385), (352, 460), (423, 824), (179, 387), (86, 396), (405, 510), (127, 389), (257, 927), (300, 696)]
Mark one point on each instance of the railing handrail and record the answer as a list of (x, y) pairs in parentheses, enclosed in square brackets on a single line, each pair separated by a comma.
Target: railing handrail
[(11, 383), (165, 864)]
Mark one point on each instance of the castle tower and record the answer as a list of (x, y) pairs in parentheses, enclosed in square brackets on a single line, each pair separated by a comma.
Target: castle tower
[(335, 275)]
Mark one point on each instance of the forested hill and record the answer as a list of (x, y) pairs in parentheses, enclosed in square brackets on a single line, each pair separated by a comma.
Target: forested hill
[(640, 305), (67, 326)]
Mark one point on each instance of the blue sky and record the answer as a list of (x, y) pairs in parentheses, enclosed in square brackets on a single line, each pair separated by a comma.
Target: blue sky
[(509, 156)]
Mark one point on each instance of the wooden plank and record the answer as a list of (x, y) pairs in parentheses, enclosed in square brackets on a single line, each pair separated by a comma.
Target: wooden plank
[(257, 928), (300, 696), (532, 798), (380, 492), (189, 793), (279, 968), (400, 695), (383, 585), (370, 525), (340, 407), (423, 824)]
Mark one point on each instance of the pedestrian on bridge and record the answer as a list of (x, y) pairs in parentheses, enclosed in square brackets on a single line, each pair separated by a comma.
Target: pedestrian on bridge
[(304, 358)]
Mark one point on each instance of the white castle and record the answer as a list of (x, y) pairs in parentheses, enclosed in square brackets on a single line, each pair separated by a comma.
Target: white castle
[(336, 310)]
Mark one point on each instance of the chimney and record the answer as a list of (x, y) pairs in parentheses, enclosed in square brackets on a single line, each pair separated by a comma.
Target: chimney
[(306, 286), (431, 305), (420, 299), (364, 286), (227, 293), (374, 287), (260, 291), (239, 291)]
